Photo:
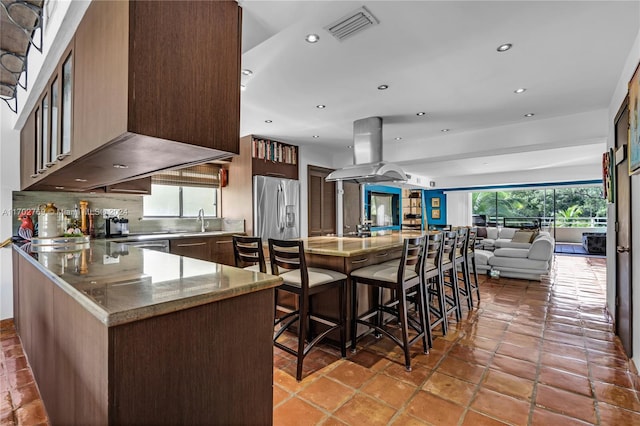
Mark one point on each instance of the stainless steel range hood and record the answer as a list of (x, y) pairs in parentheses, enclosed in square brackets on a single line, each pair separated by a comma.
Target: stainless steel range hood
[(368, 166)]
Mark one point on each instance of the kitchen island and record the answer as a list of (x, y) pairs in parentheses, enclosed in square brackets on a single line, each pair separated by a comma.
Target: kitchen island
[(145, 338), (345, 254)]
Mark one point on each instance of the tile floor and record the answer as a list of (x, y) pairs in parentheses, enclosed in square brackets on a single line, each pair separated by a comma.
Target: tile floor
[(531, 354)]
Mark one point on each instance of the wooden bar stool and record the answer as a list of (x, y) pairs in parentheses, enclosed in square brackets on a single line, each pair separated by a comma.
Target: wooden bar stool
[(248, 254), (464, 284), (435, 304), (288, 262), (449, 273), (401, 280), (472, 270)]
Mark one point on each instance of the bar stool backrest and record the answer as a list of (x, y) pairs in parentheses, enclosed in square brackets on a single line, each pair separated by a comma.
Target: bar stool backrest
[(412, 256), (449, 246), (463, 234), (247, 251), (470, 246)]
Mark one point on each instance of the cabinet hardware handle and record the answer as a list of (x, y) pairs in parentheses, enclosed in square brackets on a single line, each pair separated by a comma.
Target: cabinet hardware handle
[(42, 170), (276, 174), (382, 254), (191, 244), (224, 242), (50, 165), (62, 156), (621, 249), (360, 261), (34, 176)]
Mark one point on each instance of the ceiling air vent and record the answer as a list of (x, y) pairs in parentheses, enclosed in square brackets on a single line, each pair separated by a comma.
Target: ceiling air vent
[(351, 24)]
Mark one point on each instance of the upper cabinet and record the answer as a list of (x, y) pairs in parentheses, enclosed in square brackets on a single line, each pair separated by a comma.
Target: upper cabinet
[(145, 86)]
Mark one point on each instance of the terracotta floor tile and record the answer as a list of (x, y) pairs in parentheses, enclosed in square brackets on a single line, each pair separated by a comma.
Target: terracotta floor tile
[(615, 395), (521, 340), (405, 419), (279, 395), (24, 395), (351, 374), (362, 409), (288, 381), (20, 378), (565, 328), (617, 361), (461, 369), (296, 412), (473, 418), (526, 329), (613, 415), (602, 346), (508, 384), (567, 364), (450, 388), (374, 361), (502, 407), (489, 333), (514, 351), (416, 376), (472, 355), (392, 391), (565, 338), (567, 351), (326, 393), (567, 403), (333, 421), (434, 410), (514, 366), (542, 417), (479, 342), (565, 380), (611, 375), (32, 413)]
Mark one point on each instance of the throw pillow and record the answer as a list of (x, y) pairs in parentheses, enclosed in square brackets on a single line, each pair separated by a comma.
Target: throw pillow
[(482, 232), (534, 235), (522, 237)]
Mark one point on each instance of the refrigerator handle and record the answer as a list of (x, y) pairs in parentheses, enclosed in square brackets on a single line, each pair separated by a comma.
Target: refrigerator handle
[(279, 203)]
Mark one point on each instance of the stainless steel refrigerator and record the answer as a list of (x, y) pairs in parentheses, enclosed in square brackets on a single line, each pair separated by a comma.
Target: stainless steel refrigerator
[(276, 208)]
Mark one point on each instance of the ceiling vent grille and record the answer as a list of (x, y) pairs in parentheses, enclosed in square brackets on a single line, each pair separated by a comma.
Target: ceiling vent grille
[(351, 24)]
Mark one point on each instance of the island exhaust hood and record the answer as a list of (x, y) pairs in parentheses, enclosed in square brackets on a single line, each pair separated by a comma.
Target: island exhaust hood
[(368, 166)]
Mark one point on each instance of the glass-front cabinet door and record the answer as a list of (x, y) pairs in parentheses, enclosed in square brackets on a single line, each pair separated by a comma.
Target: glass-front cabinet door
[(67, 106), (54, 148), (44, 140)]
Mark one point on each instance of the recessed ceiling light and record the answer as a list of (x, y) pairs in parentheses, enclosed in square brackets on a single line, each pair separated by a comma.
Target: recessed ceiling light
[(315, 136), (383, 87), (445, 130), (529, 114), (504, 47), (485, 164), (59, 187), (268, 121), (421, 113), (80, 180), (349, 146), (120, 166), (398, 138), (312, 38), (321, 106), (243, 87), (520, 90), (247, 71)]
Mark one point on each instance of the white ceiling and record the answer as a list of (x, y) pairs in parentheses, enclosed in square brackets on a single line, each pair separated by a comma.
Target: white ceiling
[(440, 57)]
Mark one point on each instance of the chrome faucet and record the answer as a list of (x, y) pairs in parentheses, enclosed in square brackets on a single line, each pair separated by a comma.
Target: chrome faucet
[(201, 219)]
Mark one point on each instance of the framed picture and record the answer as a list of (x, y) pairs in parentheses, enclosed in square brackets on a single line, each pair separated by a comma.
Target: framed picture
[(435, 202), (608, 176), (634, 123), (435, 213)]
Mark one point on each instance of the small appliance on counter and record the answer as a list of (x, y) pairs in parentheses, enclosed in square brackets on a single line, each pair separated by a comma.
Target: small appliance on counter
[(363, 230), (116, 226)]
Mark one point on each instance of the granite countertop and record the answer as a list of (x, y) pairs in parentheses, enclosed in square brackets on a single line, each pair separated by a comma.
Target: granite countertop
[(118, 289), (354, 246)]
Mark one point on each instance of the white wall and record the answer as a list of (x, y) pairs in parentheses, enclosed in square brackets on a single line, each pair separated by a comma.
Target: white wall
[(60, 20), (458, 208), (620, 93)]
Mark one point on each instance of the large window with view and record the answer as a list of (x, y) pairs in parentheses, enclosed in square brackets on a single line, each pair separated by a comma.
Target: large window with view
[(566, 212)]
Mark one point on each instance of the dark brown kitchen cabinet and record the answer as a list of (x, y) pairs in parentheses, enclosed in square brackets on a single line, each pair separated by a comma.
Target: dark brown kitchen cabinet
[(136, 186), (222, 250), (197, 248), (140, 73)]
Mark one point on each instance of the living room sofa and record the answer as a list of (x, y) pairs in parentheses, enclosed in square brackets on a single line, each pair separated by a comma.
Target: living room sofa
[(504, 238), (527, 263)]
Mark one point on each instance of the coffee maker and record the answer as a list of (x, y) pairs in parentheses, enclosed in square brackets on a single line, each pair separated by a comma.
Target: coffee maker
[(116, 226)]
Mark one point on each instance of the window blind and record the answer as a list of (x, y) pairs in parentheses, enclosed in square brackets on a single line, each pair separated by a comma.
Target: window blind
[(205, 175)]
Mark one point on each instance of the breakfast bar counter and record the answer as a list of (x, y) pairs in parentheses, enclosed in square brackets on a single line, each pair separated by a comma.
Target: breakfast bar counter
[(145, 338)]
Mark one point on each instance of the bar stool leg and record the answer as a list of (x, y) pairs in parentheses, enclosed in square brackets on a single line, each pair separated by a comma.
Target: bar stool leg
[(402, 313), (467, 282), (475, 276), (302, 332), (354, 313), (342, 301)]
